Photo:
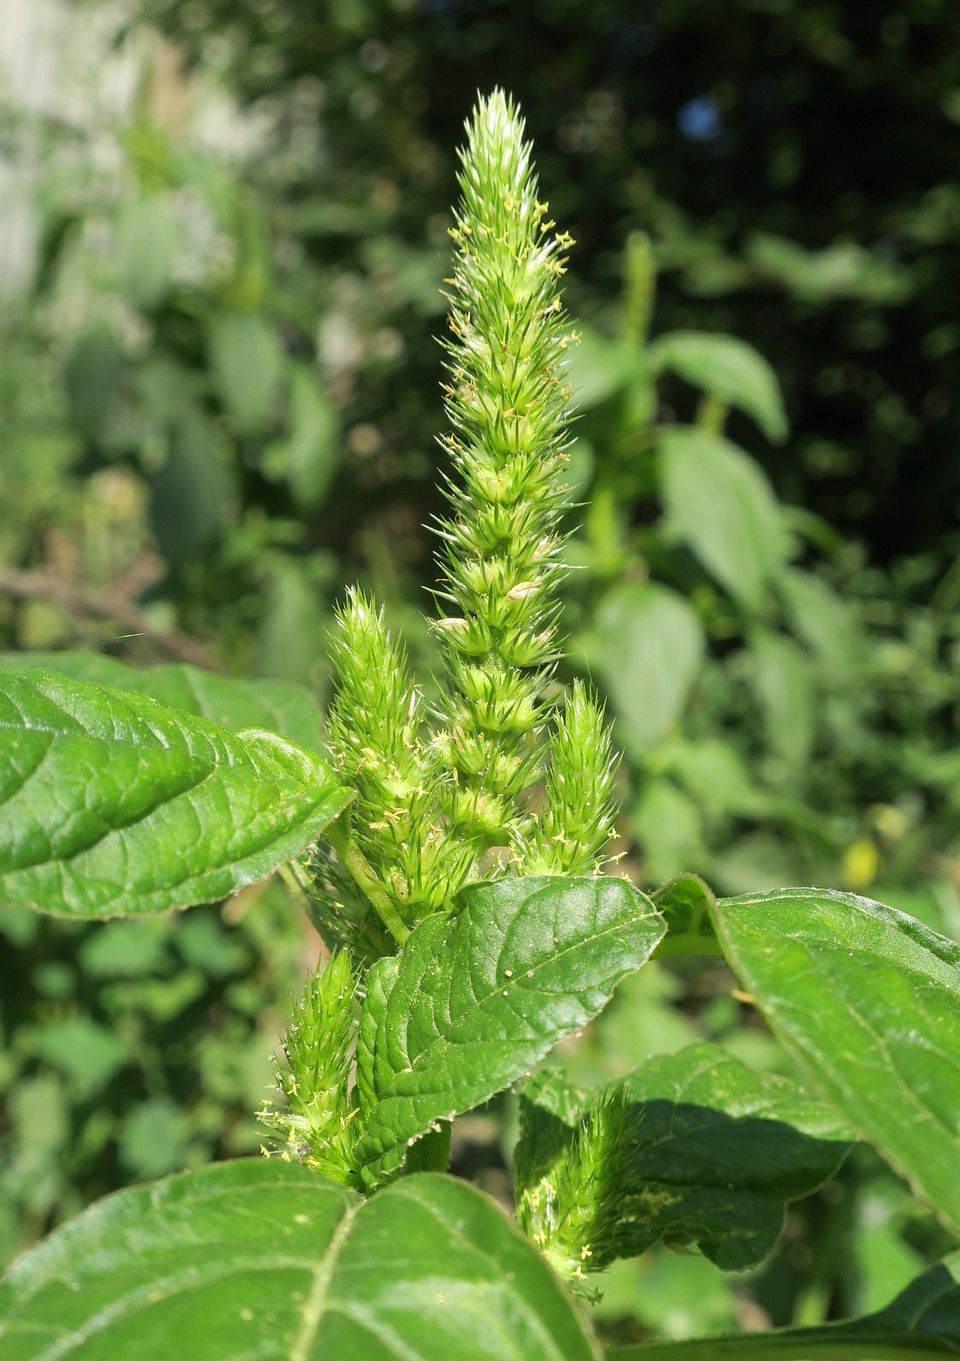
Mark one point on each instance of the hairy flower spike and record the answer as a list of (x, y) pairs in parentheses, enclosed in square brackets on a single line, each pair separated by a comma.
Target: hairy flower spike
[(374, 735), (575, 1212), (507, 403), (570, 835), (313, 1125)]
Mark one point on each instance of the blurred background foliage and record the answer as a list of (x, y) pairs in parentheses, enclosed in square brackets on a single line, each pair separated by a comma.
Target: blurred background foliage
[(222, 242)]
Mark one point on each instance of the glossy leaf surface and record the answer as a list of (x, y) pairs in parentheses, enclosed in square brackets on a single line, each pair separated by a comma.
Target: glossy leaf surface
[(114, 805), (277, 705), (479, 997), (261, 1259), (869, 1000)]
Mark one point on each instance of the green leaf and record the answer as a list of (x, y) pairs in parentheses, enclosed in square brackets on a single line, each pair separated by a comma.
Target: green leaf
[(113, 805), (279, 706), (260, 1259), (720, 503), (869, 1000), (248, 362), (922, 1321), (685, 903), (692, 1148), (146, 243), (822, 619), (780, 675), (92, 376), (479, 997), (648, 647), (729, 370), (669, 827), (307, 458), (194, 495), (597, 367), (87, 1054)]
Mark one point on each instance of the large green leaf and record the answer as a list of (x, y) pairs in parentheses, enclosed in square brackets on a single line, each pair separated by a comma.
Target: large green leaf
[(869, 1000), (112, 804), (729, 370), (922, 1321), (258, 1259), (721, 504), (648, 647), (279, 706), (478, 997), (693, 1147)]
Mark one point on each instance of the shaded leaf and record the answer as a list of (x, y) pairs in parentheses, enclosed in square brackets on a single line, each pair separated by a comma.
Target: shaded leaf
[(692, 1148), (684, 904)]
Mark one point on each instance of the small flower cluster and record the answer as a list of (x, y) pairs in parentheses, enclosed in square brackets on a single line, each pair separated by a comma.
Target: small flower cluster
[(313, 1126)]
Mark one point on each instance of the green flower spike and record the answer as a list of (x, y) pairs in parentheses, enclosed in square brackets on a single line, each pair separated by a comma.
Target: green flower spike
[(507, 403), (313, 1124)]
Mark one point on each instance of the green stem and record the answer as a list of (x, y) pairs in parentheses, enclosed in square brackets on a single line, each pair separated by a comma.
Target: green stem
[(800, 1344), (712, 414), (356, 862)]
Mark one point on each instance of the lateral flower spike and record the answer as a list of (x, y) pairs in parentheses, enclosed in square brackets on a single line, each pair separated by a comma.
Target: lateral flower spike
[(572, 832), (374, 733), (507, 404), (313, 1124)]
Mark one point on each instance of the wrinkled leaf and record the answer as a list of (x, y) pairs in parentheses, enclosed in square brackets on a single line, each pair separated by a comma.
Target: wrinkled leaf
[(869, 1000), (719, 502), (479, 997), (729, 370), (258, 1259), (695, 1149), (112, 804), (924, 1320), (279, 706)]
